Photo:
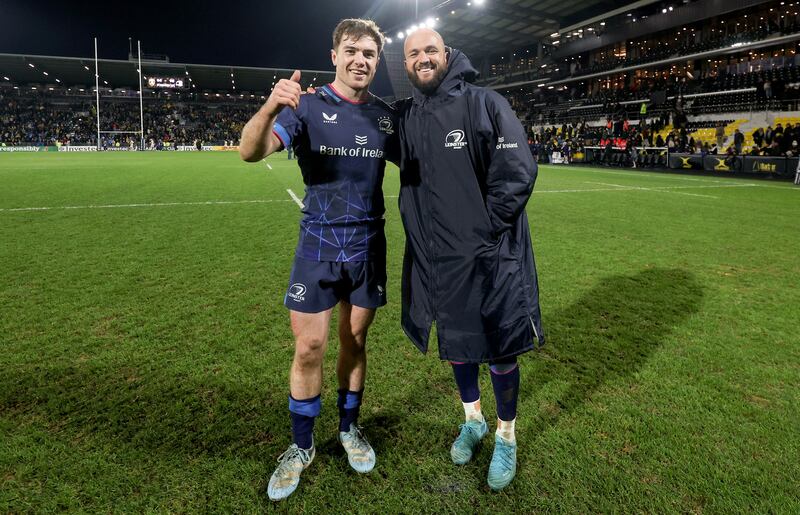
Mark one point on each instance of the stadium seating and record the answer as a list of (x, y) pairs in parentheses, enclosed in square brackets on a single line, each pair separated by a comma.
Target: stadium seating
[(56, 119)]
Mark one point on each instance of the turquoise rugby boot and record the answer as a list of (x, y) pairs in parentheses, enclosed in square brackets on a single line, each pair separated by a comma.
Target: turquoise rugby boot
[(503, 467), (471, 433)]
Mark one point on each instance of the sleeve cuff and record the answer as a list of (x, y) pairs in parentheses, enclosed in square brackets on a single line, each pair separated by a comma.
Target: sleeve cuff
[(282, 135)]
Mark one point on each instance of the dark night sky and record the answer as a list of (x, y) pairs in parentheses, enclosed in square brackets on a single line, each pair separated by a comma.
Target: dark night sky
[(283, 34), (270, 34)]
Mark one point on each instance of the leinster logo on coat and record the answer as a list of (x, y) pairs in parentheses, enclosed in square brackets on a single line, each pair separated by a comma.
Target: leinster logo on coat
[(361, 140), (385, 125), (297, 292), (455, 139)]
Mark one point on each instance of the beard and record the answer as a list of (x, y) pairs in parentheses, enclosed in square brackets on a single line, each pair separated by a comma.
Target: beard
[(430, 86)]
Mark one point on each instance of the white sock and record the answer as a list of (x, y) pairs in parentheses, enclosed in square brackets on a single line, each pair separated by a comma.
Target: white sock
[(505, 430), (472, 411)]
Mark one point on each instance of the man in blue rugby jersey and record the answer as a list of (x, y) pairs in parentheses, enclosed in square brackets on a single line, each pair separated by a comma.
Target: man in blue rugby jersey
[(342, 136)]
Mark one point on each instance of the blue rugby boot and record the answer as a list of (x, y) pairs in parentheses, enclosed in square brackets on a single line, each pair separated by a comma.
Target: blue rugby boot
[(471, 433), (503, 467)]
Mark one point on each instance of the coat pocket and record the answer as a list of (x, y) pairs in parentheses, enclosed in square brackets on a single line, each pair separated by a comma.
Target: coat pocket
[(503, 293)]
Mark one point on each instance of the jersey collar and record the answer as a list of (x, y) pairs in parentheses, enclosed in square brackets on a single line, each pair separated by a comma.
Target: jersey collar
[(331, 92)]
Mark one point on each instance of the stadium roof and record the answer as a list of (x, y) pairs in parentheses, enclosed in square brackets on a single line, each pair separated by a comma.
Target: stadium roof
[(500, 26), (75, 71)]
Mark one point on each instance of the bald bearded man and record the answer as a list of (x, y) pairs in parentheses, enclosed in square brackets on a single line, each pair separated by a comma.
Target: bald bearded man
[(466, 177)]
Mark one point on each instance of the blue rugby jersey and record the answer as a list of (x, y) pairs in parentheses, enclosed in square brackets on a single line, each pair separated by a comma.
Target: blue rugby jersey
[(342, 148)]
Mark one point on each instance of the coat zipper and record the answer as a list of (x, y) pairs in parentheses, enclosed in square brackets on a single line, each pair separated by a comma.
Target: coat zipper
[(535, 332), (431, 242)]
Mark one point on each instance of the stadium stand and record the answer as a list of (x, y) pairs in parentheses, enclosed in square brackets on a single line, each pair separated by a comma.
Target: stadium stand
[(589, 80), (62, 120), (49, 101)]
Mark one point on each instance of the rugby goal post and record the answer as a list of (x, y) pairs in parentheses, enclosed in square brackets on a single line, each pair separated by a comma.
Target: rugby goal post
[(797, 174), (140, 132)]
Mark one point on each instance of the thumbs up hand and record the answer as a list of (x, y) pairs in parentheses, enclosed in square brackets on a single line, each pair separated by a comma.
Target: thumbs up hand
[(285, 93)]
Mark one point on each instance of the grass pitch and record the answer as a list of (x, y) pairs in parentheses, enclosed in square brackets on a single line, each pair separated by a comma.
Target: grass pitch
[(144, 349)]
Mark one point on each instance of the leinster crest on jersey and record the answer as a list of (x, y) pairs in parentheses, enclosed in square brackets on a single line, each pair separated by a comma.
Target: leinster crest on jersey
[(385, 125)]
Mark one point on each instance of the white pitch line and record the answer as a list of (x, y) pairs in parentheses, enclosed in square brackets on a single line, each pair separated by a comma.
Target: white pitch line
[(659, 189), (648, 175), (677, 177), (269, 166), (795, 188), (296, 199), (160, 204), (633, 188), (718, 186)]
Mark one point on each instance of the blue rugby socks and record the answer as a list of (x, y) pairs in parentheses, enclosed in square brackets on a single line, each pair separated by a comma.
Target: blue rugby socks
[(349, 404), (303, 412)]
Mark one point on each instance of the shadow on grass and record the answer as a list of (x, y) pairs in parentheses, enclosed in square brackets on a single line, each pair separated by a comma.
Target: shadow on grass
[(609, 332), (606, 336), (150, 411)]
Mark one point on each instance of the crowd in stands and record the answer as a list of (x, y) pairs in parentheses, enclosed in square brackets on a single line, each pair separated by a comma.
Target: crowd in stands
[(619, 136), (780, 141), (43, 120), (763, 89), (24, 121)]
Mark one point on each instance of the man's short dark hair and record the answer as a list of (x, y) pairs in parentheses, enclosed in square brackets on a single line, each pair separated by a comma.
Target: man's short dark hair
[(357, 28)]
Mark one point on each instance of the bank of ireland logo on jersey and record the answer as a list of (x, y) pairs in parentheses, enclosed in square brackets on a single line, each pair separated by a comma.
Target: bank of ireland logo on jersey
[(455, 139), (385, 125), (329, 118), (361, 140), (297, 292)]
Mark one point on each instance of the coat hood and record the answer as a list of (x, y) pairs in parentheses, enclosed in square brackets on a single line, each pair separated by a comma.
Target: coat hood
[(459, 72)]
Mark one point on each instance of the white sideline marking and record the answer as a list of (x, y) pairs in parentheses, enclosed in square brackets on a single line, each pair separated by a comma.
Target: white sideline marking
[(788, 187), (633, 188), (676, 177), (296, 199), (269, 166), (662, 189), (160, 204), (647, 175)]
